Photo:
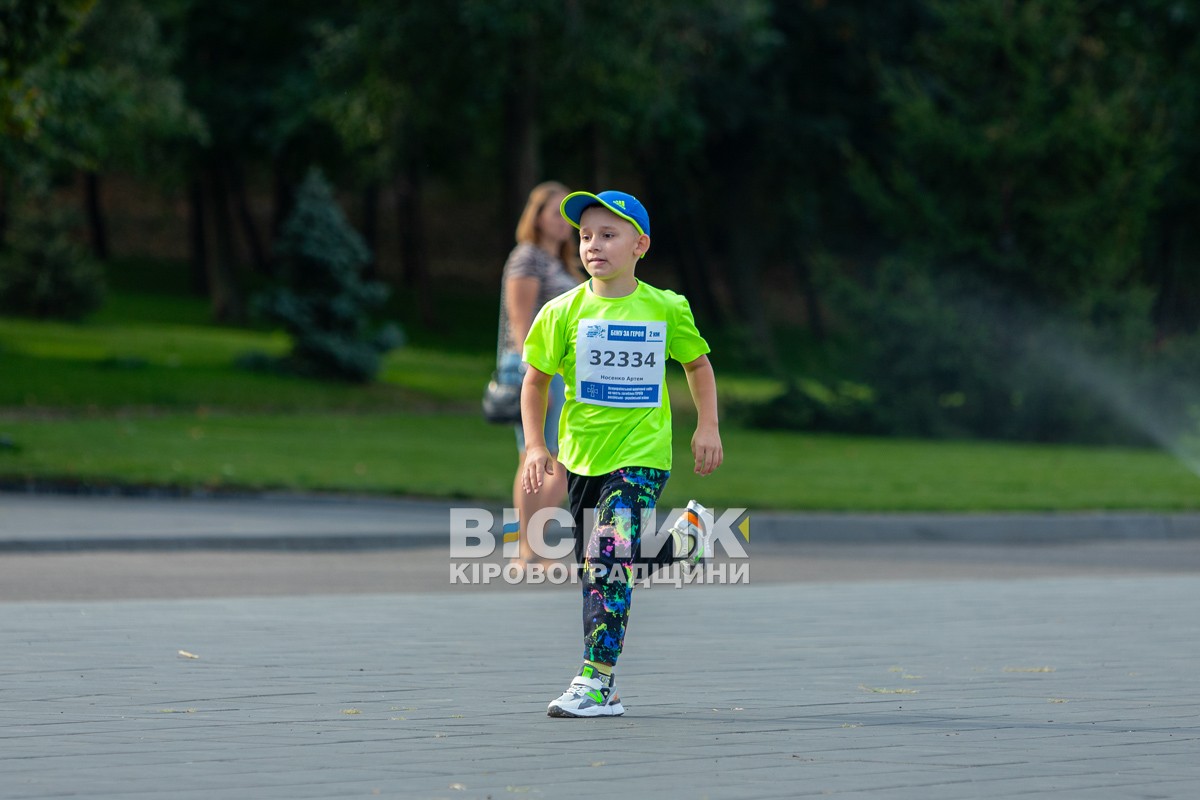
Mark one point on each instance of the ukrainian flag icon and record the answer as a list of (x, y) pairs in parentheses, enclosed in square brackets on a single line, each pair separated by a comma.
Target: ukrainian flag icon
[(511, 531)]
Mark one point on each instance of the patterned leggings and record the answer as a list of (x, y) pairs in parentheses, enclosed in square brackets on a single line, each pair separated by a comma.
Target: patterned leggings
[(609, 549)]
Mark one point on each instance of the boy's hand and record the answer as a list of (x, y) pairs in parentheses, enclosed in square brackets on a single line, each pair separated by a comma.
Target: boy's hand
[(538, 464), (706, 449)]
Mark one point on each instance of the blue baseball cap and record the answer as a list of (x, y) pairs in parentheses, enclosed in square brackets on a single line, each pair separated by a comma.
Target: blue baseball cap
[(625, 206)]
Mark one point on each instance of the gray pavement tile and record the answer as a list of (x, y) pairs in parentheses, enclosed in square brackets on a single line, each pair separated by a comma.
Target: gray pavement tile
[(780, 709)]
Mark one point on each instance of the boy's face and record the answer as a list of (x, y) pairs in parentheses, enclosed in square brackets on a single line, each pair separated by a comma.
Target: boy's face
[(608, 245)]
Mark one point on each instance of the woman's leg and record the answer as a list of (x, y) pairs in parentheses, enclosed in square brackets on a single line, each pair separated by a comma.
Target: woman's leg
[(554, 489)]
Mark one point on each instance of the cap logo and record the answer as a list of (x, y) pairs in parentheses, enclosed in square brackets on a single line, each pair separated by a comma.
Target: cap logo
[(620, 203)]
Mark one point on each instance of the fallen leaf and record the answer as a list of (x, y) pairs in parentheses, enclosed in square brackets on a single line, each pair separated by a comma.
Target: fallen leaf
[(351, 711), (1058, 700), (598, 763), (186, 654)]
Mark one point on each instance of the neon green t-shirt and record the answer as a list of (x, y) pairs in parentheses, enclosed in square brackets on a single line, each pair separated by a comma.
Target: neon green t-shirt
[(612, 353)]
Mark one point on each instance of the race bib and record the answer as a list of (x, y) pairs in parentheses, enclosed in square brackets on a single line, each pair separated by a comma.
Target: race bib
[(620, 364)]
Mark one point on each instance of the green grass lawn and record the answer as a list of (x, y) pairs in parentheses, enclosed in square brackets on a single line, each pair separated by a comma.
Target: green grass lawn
[(147, 393), (458, 455), (156, 365)]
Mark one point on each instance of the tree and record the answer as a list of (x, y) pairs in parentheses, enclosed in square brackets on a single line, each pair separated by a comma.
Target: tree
[(1028, 153), (1167, 35), (43, 271), (1024, 150), (246, 69), (35, 38), (128, 111), (325, 304), (401, 86)]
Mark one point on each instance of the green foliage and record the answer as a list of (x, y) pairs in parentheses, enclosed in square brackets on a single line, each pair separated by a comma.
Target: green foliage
[(128, 109), (1003, 178), (391, 96), (43, 272), (101, 94), (34, 36), (325, 303), (1167, 34), (951, 357), (246, 68), (809, 405), (1025, 148)]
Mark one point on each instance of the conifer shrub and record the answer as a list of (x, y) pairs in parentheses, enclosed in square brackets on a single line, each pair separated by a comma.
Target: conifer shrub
[(323, 301), (44, 273)]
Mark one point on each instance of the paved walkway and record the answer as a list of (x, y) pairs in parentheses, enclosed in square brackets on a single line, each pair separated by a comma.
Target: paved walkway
[(1056, 687), (1075, 688)]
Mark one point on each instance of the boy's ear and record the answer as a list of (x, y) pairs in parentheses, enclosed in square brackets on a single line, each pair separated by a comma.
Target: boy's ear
[(643, 246)]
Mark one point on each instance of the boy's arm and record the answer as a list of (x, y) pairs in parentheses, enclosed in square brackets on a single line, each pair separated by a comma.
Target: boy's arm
[(706, 442), (538, 462)]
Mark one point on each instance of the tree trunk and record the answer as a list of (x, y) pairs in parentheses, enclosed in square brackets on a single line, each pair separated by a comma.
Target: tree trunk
[(241, 204), (692, 259), (748, 295), (812, 302), (522, 138), (601, 160), (414, 267), (94, 209), (370, 226), (1177, 288), (226, 298), (746, 253), (677, 229), (197, 239), (3, 210), (283, 196)]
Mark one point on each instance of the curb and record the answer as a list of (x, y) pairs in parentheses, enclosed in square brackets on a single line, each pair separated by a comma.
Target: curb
[(51, 522)]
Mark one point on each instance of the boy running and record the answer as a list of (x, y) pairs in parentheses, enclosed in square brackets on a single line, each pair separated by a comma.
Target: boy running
[(610, 338)]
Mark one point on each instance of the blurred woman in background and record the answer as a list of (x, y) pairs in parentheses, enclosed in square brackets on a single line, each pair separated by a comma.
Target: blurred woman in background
[(543, 265)]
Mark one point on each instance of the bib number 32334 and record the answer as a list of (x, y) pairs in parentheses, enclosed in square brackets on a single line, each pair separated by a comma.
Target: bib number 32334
[(620, 364)]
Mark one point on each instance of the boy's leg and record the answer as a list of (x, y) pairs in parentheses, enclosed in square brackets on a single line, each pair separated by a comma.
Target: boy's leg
[(609, 557), (591, 693), (583, 492), (607, 562)]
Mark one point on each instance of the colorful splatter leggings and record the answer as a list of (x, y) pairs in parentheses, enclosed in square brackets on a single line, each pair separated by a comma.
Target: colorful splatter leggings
[(609, 549)]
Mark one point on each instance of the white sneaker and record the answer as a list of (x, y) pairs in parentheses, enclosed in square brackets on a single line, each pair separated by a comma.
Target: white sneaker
[(587, 697), (689, 534)]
